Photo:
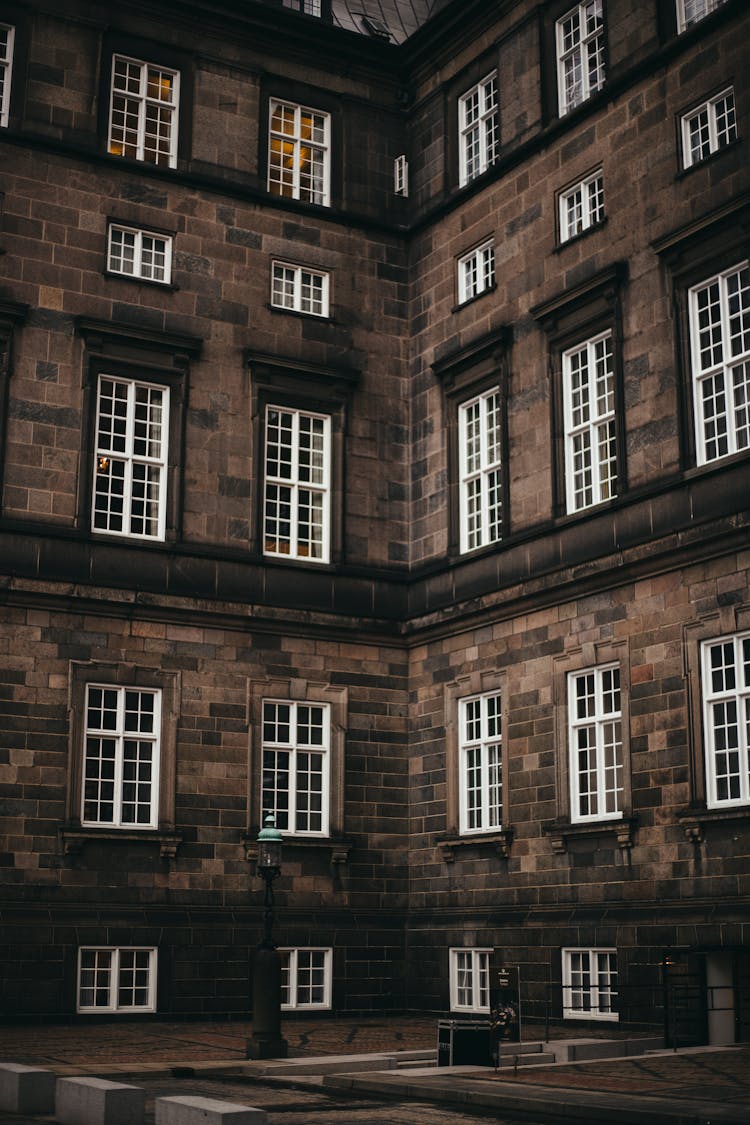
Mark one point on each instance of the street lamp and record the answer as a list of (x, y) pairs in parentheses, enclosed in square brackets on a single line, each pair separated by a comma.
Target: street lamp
[(266, 1041)]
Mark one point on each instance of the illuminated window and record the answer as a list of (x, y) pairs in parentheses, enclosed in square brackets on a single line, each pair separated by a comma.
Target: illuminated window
[(139, 253), (130, 459), (299, 289), (296, 513), (478, 129), (115, 979), (143, 112), (580, 54), (299, 153)]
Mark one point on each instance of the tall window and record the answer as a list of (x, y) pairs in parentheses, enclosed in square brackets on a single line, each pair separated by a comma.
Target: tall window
[(296, 752), (7, 36), (143, 112), (590, 429), (121, 757), (470, 980), (298, 289), (139, 253), (580, 54), (480, 453), (130, 461), (589, 983), (476, 271), (115, 979), (582, 206), (401, 175), (708, 128), (480, 763), (720, 351), (595, 744), (692, 11), (299, 153), (726, 710), (305, 978), (478, 129), (297, 484)]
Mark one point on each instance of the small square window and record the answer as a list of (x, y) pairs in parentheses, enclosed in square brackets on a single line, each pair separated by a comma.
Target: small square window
[(7, 38), (299, 155), (589, 985), (470, 980), (709, 127), (476, 272), (139, 254), (580, 54), (116, 979), (143, 116), (299, 289), (478, 129), (581, 206), (305, 978), (690, 12), (401, 175)]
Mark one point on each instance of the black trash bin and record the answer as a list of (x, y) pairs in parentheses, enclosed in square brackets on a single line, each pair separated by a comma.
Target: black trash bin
[(464, 1043)]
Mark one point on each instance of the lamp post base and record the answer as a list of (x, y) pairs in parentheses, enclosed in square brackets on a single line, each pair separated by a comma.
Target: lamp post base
[(261, 1047)]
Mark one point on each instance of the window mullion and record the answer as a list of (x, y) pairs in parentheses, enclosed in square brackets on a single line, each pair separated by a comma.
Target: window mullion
[(119, 759)]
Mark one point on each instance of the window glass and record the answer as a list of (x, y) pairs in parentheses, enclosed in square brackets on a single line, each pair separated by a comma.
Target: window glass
[(121, 757), (582, 206), (708, 128), (299, 156), (295, 772), (726, 708), (139, 253), (297, 484), (589, 984), (470, 980), (590, 425), (595, 744), (480, 469), (478, 128), (143, 112), (580, 54), (116, 980), (480, 763)]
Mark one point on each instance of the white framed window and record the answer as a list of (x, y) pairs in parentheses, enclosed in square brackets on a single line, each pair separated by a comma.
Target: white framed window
[(693, 11), (719, 311), (307, 7), (595, 744), (296, 766), (121, 757), (708, 128), (480, 756), (401, 175), (478, 129), (296, 510), (476, 271), (582, 206), (7, 39), (299, 153), (130, 459), (589, 982), (143, 114), (480, 470), (305, 978), (299, 289), (726, 720), (590, 425), (470, 980), (580, 54), (116, 979), (139, 253)]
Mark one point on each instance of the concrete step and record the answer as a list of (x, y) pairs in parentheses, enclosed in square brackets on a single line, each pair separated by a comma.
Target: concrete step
[(510, 1059)]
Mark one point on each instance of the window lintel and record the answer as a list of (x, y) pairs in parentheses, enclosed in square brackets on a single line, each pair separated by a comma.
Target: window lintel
[(277, 372), (601, 288), (475, 360), (116, 340), (732, 220)]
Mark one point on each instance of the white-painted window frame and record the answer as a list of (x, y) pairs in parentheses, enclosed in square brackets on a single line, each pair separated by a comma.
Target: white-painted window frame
[(297, 480), (478, 128), (299, 758), (480, 763), (470, 980), (708, 127), (596, 753), (139, 253), (144, 104), (581, 206), (690, 12), (725, 684), (718, 309), (6, 71), (110, 964), (480, 456), (579, 35), (300, 289), (589, 408), (476, 271), (299, 152), (299, 969), (401, 175), (589, 984)]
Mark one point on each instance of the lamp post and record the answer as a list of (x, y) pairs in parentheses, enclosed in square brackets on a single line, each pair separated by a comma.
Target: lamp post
[(266, 1041)]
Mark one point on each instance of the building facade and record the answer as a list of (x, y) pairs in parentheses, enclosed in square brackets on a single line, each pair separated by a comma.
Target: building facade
[(375, 414)]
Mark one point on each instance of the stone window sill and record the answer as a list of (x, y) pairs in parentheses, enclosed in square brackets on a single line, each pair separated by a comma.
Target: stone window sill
[(695, 821), (623, 828), (339, 846), (499, 841), (75, 839)]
